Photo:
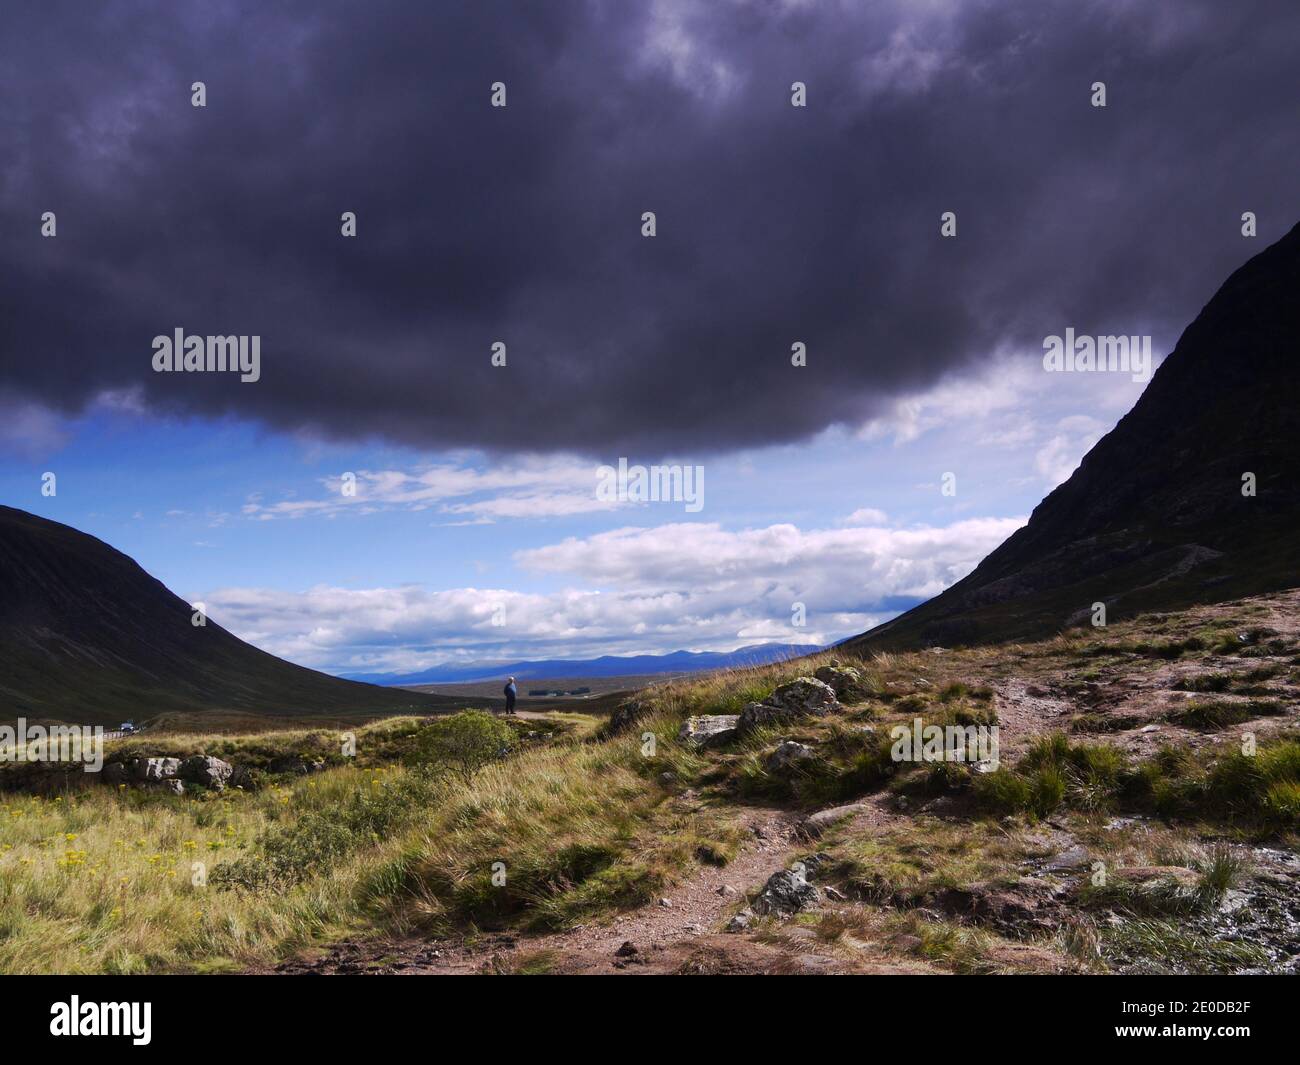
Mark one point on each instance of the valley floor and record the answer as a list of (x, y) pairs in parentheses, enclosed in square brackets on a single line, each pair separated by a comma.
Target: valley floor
[(1141, 817)]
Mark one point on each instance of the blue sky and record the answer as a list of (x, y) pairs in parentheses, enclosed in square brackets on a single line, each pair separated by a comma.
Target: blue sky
[(413, 569)]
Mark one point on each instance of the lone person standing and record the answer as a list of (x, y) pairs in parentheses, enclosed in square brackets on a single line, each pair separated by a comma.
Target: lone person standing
[(511, 692)]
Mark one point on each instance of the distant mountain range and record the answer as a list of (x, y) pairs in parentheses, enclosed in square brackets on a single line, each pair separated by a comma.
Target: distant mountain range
[(88, 637), (606, 666), (1194, 497)]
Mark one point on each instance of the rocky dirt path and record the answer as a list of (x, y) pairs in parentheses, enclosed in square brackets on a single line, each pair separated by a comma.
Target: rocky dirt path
[(1026, 710), (683, 936)]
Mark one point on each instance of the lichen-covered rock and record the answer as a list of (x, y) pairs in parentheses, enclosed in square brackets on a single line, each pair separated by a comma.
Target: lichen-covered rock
[(711, 730), (152, 770), (802, 697), (845, 681), (755, 715), (786, 892), (805, 695), (206, 770), (627, 714)]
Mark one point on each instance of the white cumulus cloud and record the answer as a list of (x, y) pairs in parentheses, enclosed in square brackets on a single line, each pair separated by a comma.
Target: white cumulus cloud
[(695, 586)]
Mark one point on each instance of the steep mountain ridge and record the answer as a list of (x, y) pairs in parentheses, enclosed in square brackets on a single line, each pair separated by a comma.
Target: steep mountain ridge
[(87, 636), (1155, 516)]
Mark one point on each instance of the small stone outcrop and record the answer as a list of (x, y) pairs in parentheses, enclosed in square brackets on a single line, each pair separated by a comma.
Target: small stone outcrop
[(814, 825), (627, 714), (785, 893), (153, 770), (172, 774), (802, 697), (296, 765), (789, 890), (204, 769), (845, 681), (711, 730)]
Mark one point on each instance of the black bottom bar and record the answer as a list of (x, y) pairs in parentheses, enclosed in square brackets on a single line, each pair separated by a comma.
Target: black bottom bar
[(301, 1014)]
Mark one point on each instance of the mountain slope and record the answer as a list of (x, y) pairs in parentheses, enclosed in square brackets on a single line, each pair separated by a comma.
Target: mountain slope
[(604, 666), (88, 636), (1154, 517)]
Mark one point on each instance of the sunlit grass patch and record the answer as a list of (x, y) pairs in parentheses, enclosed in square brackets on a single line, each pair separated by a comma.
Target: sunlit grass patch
[(125, 879), (1052, 772), (1166, 946), (127, 894), (907, 861), (1224, 785)]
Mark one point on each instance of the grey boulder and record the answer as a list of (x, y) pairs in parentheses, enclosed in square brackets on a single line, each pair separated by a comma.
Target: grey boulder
[(802, 697), (805, 695), (845, 681), (709, 731), (786, 892), (155, 769), (812, 826), (206, 770)]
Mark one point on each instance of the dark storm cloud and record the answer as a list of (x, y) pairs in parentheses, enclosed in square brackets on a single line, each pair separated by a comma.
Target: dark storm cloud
[(476, 224)]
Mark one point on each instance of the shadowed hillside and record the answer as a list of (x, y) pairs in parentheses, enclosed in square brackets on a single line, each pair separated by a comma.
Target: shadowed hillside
[(86, 635), (1154, 517)]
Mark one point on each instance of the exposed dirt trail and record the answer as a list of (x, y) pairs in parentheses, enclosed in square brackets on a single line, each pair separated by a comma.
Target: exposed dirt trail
[(684, 936)]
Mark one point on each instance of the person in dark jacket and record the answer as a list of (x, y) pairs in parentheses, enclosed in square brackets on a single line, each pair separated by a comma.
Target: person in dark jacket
[(511, 692)]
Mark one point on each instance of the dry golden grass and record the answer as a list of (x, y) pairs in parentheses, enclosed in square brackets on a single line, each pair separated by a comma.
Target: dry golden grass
[(104, 879), (578, 832)]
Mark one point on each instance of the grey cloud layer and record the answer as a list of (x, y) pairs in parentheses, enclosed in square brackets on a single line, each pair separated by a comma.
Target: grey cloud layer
[(775, 224)]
